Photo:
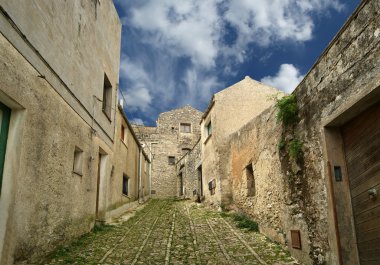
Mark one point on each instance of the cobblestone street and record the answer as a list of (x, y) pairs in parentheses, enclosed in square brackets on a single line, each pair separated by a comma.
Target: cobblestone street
[(172, 232)]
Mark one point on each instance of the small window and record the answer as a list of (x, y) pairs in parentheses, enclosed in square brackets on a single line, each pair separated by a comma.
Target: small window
[(125, 184), (251, 190), (123, 134), (78, 161), (171, 160), (208, 129), (5, 114), (185, 151), (212, 186), (107, 97), (185, 128)]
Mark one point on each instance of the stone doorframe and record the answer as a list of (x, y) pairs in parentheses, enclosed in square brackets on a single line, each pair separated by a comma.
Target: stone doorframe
[(341, 231)]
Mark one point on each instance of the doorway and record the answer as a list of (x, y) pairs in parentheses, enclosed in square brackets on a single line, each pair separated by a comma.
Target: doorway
[(200, 183), (361, 138), (181, 184), (102, 159)]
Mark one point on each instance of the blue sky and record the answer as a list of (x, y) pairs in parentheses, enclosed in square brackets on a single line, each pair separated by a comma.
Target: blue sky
[(182, 52)]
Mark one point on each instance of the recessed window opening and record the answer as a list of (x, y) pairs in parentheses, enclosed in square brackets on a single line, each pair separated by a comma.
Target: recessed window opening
[(208, 129), (212, 186), (251, 190), (185, 128), (107, 97), (185, 151), (5, 115), (125, 184), (78, 161), (171, 160), (122, 133)]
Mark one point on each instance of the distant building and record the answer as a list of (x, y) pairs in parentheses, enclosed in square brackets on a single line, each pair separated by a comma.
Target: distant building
[(129, 182), (228, 110), (176, 133)]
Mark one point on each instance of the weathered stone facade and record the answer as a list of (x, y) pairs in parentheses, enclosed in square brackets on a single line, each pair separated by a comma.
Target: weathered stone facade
[(130, 161), (302, 194), (228, 110), (189, 174), (169, 140), (62, 159)]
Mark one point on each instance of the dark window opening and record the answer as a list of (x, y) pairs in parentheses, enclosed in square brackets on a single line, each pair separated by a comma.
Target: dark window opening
[(185, 128), (212, 186), (251, 190), (107, 97), (122, 133), (171, 160), (125, 184), (5, 115), (78, 161), (208, 129), (185, 151)]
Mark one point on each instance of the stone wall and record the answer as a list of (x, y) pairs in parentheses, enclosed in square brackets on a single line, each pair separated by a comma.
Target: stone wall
[(167, 140), (229, 109), (188, 168), (54, 55), (126, 162), (296, 194)]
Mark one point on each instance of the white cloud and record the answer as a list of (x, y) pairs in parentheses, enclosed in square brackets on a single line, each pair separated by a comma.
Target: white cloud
[(286, 79), (137, 121), (195, 28), (138, 98), (186, 28)]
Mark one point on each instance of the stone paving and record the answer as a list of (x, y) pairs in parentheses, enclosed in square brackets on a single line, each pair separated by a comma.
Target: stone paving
[(172, 232)]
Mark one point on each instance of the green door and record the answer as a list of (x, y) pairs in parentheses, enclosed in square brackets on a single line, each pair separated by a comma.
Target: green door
[(5, 115)]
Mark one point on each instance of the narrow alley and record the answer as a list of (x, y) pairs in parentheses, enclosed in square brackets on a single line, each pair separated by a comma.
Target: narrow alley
[(173, 232)]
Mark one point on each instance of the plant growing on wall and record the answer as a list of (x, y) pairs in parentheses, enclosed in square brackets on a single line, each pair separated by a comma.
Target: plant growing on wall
[(287, 109), (295, 149)]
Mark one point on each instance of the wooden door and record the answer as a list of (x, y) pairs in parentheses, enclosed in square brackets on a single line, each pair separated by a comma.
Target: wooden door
[(362, 150)]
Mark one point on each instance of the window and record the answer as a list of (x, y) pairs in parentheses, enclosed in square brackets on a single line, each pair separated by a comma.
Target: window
[(123, 134), (171, 160), (185, 151), (208, 129), (212, 186), (5, 114), (185, 128), (251, 190), (125, 184), (78, 161), (107, 97)]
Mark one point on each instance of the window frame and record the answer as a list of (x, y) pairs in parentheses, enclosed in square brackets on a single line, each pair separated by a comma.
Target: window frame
[(78, 161), (184, 125), (107, 97)]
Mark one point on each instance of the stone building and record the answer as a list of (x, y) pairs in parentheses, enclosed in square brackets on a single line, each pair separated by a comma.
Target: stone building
[(59, 172), (228, 110), (129, 181), (189, 174), (176, 133), (313, 184)]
